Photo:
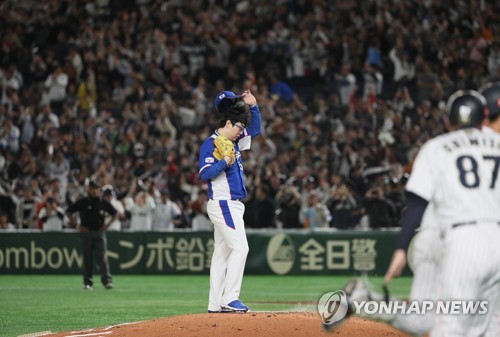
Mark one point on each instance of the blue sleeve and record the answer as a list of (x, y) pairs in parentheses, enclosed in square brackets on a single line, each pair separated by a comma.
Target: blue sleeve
[(209, 167), (213, 171), (255, 122), (410, 219)]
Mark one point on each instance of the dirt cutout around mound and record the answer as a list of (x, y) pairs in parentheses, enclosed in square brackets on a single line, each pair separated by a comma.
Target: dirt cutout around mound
[(251, 324)]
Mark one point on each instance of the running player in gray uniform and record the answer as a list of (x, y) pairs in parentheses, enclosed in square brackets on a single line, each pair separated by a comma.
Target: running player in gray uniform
[(458, 172)]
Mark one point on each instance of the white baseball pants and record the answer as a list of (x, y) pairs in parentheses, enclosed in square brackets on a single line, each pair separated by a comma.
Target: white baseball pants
[(230, 252)]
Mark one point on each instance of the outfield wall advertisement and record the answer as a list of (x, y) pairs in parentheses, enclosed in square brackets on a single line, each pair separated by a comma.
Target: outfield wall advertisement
[(271, 252)]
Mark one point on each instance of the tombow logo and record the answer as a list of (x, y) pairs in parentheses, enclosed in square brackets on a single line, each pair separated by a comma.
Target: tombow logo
[(332, 307)]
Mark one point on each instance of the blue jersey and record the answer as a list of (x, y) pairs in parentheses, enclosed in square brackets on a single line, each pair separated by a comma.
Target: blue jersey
[(227, 183)]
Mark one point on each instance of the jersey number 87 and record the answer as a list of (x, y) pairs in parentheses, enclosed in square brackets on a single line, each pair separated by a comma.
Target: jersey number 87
[(468, 169)]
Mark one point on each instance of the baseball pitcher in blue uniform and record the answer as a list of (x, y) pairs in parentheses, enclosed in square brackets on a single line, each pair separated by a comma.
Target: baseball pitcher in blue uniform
[(220, 164)]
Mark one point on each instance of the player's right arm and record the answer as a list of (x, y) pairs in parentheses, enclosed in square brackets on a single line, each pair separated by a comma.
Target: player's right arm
[(419, 191), (410, 221), (209, 166)]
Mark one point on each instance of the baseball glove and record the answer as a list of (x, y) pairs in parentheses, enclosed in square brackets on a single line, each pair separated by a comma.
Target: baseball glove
[(224, 147)]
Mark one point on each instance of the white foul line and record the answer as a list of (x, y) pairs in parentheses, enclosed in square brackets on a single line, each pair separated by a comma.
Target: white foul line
[(92, 334), (97, 333)]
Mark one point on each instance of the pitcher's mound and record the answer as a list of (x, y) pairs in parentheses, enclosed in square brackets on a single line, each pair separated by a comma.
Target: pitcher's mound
[(252, 324)]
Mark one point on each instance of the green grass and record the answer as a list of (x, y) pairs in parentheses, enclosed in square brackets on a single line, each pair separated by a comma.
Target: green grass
[(32, 303)]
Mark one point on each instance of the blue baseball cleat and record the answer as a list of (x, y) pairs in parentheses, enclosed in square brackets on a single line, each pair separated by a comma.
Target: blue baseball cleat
[(236, 305)]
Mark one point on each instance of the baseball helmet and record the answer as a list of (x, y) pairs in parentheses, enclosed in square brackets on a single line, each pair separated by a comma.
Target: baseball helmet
[(232, 107), (491, 92), (225, 101), (466, 109)]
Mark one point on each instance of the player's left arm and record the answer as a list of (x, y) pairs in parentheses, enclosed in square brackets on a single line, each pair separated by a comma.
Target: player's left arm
[(255, 116), (255, 121)]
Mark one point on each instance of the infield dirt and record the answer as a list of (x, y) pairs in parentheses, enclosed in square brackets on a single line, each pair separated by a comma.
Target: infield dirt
[(251, 324)]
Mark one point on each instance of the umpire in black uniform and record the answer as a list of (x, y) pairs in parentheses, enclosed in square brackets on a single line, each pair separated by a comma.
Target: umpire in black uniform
[(93, 233)]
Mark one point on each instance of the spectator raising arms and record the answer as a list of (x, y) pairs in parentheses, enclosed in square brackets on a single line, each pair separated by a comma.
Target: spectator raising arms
[(341, 87), (52, 216)]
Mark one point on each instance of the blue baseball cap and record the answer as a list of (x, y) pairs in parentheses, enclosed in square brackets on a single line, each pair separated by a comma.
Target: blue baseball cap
[(225, 96)]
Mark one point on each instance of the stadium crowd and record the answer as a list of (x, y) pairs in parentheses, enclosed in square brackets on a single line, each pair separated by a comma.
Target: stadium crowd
[(121, 91)]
